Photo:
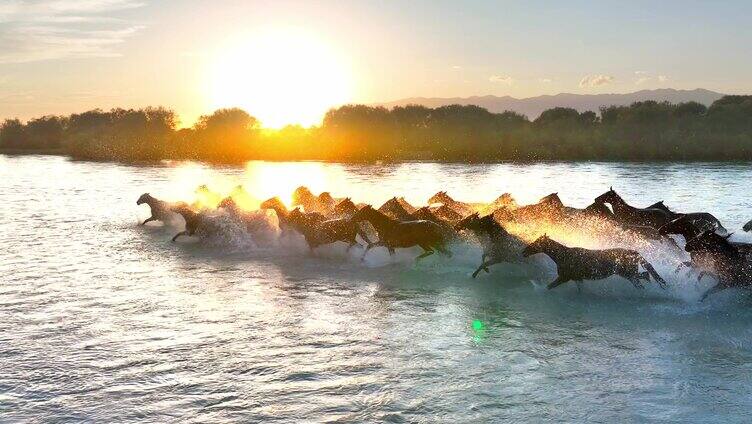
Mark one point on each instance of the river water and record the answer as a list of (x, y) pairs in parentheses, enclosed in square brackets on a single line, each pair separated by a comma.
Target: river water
[(104, 320)]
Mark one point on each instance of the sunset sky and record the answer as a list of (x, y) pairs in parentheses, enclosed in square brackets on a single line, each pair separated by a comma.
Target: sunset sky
[(288, 61)]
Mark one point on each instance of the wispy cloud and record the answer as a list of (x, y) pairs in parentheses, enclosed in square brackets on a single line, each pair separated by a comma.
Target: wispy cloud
[(546, 80), (504, 79), (662, 78), (34, 30), (595, 80), (642, 80)]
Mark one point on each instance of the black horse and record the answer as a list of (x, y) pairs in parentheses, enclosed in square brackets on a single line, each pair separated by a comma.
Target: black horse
[(577, 264), (395, 234), (730, 266), (630, 215), (685, 227), (498, 244), (702, 220)]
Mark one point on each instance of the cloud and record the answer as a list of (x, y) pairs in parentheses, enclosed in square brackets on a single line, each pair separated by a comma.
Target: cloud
[(640, 73), (662, 78), (642, 80), (595, 80), (506, 79), (456, 67), (34, 30), (546, 80)]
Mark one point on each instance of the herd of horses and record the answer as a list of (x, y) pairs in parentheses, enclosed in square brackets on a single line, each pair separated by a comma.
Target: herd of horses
[(323, 219)]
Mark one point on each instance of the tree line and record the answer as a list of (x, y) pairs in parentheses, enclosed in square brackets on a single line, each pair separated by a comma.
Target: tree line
[(646, 130)]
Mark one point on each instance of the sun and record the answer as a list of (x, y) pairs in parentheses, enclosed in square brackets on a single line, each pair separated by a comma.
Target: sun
[(282, 76)]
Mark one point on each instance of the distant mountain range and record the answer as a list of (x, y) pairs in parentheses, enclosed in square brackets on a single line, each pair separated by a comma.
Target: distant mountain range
[(533, 106)]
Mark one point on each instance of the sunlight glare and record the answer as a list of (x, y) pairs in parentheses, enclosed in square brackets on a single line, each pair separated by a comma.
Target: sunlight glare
[(281, 77)]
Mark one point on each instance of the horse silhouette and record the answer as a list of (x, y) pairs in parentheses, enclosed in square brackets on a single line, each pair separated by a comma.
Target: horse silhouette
[(397, 234), (498, 244), (578, 264)]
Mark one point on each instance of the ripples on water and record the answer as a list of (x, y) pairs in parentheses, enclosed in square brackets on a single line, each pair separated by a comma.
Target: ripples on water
[(103, 320)]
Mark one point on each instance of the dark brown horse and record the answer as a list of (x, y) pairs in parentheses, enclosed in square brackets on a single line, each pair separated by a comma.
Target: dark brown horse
[(193, 220), (345, 208), (396, 234), (400, 210), (577, 264), (318, 231), (730, 266), (630, 215), (498, 244), (426, 214)]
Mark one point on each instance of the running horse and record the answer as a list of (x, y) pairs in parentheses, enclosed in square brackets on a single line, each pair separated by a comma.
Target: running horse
[(702, 220), (160, 209), (498, 244), (318, 231), (577, 263), (730, 266), (395, 234), (630, 215), (397, 209), (193, 220)]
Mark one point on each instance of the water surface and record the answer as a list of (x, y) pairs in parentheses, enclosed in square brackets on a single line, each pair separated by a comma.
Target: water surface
[(104, 320)]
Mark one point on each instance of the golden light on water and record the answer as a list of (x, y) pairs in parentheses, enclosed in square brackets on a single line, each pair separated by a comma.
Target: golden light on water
[(259, 180), (282, 76)]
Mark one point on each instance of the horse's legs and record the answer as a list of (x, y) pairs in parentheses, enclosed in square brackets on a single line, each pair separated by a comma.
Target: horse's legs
[(557, 282), (688, 264), (427, 251), (483, 266), (635, 280), (149, 219), (182, 233)]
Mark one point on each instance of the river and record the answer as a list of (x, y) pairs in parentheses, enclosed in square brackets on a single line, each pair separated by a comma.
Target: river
[(106, 321)]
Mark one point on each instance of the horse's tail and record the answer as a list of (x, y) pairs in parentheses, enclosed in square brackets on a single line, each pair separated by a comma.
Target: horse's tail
[(653, 273)]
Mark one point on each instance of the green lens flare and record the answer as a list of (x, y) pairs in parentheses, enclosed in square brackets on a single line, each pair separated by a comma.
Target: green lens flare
[(477, 325)]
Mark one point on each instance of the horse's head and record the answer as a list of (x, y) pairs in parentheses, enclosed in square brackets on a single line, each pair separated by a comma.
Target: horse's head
[(275, 204), (345, 207), (364, 213), (301, 195), (538, 246), (469, 222), (608, 197), (505, 199), (440, 197), (552, 200), (326, 198), (227, 203), (145, 198)]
